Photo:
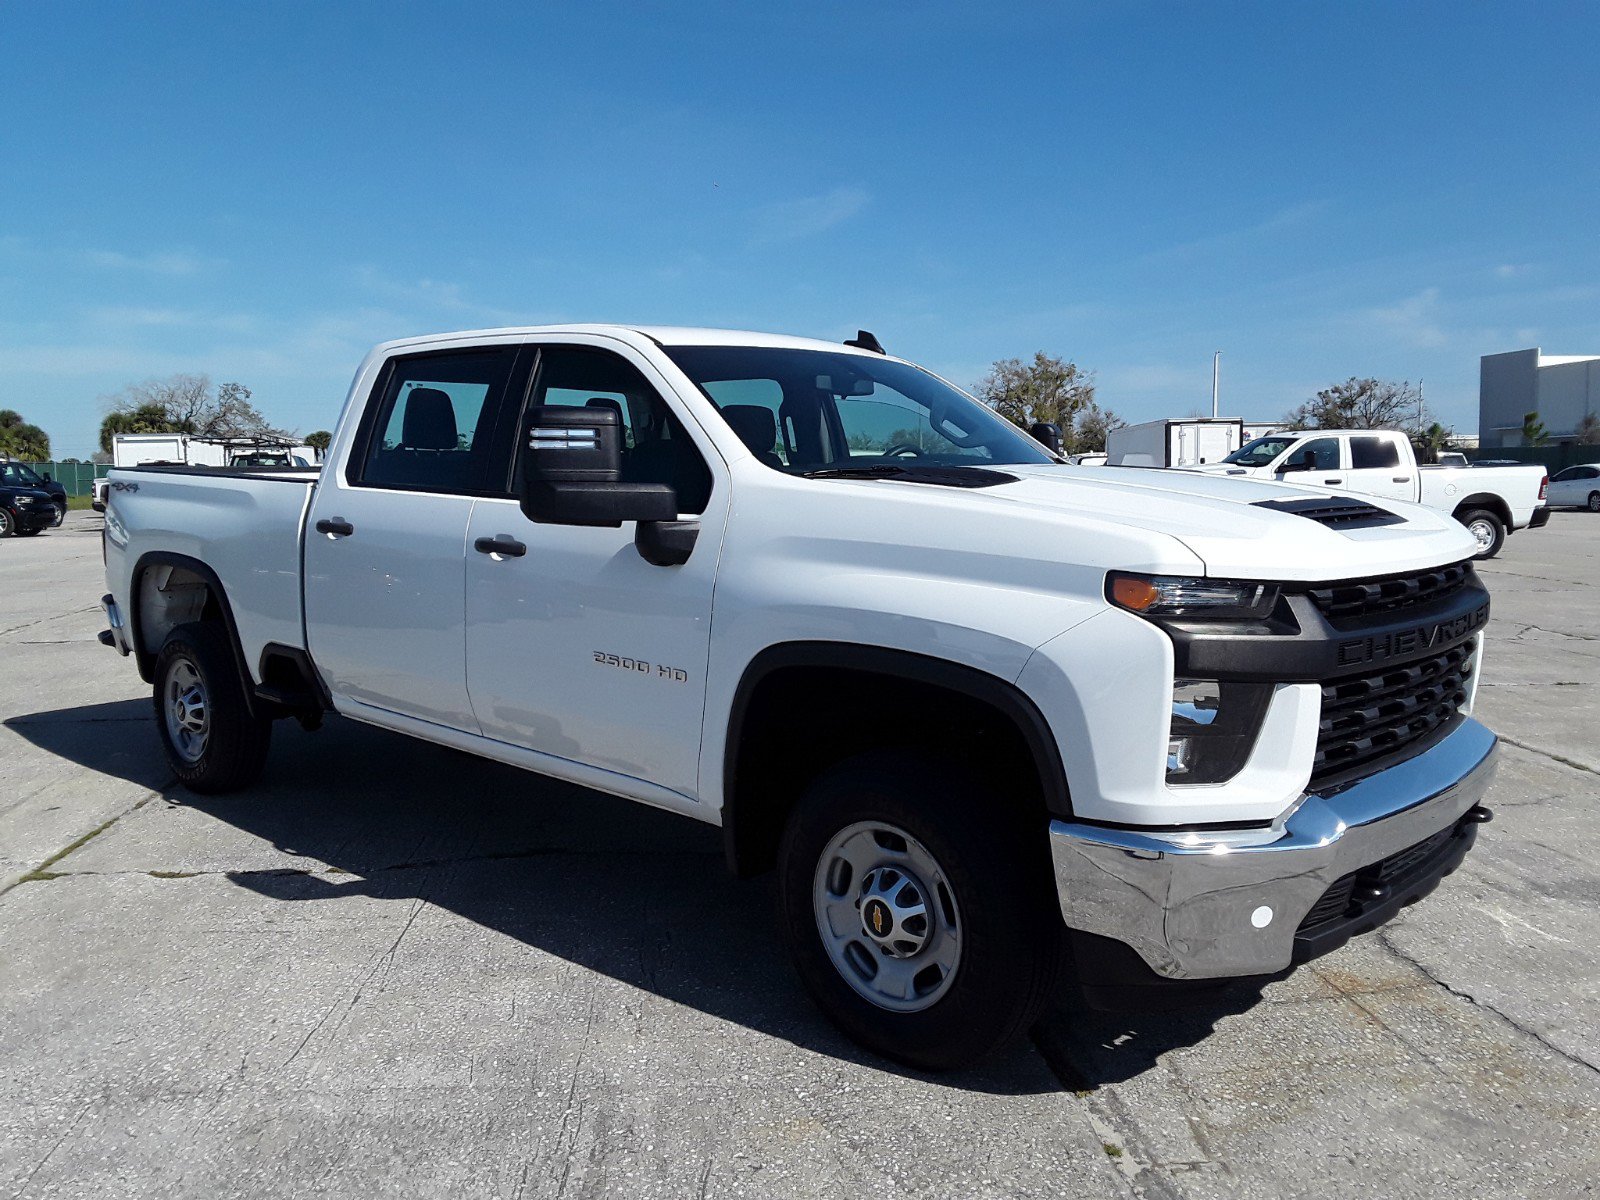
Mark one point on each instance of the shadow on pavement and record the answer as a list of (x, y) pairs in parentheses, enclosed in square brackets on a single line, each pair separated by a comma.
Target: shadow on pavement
[(640, 895)]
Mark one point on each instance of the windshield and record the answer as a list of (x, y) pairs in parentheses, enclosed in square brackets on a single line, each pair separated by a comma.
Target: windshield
[(18, 474), (1261, 451), (808, 410)]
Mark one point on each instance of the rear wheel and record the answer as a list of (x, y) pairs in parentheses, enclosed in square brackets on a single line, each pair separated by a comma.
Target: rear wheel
[(1487, 529), (919, 911), (61, 515), (212, 740)]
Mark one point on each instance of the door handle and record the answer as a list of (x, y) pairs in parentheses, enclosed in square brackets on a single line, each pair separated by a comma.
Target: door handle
[(1333, 481), (506, 547), (335, 526), (1400, 479)]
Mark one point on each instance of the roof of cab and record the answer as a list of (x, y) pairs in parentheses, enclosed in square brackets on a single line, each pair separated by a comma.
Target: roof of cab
[(665, 335)]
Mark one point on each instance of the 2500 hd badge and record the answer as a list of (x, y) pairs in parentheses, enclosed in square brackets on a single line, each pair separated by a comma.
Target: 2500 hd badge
[(670, 674)]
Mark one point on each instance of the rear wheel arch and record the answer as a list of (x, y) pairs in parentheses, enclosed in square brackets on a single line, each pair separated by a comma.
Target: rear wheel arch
[(196, 594), (1486, 501), (802, 707)]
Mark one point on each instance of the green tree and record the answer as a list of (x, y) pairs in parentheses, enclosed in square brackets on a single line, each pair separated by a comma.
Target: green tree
[(319, 441), (147, 418), (1533, 431), (1363, 404), (1430, 441), (1049, 389), (22, 440)]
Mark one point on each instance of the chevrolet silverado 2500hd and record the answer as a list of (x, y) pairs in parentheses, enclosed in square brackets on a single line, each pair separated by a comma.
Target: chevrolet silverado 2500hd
[(989, 715), (1492, 502)]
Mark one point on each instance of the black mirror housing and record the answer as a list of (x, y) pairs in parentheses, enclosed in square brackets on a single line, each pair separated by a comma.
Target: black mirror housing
[(1046, 434), (572, 471)]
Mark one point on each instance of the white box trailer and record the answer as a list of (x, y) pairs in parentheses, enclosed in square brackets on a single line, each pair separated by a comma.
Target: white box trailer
[(1189, 442), (139, 449)]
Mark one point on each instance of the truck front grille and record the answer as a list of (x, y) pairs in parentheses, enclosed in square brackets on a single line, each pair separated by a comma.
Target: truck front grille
[(1363, 597), (1370, 717)]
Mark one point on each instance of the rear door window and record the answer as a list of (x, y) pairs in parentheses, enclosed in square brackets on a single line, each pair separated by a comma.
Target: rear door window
[(430, 429), (1373, 453)]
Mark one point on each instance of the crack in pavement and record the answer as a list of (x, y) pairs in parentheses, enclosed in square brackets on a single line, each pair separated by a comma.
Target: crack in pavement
[(42, 871), (1387, 941), (1564, 761)]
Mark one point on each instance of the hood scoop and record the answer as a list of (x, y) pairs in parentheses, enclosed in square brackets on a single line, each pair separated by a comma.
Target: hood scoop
[(1336, 512)]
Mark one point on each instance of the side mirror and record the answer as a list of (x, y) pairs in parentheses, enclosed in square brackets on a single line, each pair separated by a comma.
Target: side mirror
[(47, 478), (1047, 435), (572, 475)]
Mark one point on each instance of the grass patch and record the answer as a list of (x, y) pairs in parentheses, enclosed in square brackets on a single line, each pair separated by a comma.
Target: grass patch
[(172, 874), (38, 876), (78, 503), (1112, 1149)]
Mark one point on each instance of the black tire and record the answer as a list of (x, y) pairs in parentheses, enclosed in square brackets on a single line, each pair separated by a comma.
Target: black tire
[(1594, 502), (8, 523), (234, 743), (1483, 519), (997, 867), (61, 516)]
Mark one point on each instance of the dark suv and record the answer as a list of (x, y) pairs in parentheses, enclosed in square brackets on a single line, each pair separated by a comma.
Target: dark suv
[(25, 511), (20, 475)]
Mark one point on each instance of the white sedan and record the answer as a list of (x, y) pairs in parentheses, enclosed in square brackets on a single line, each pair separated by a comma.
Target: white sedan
[(1576, 487)]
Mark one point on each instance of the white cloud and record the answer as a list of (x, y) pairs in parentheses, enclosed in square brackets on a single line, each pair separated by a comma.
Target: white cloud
[(1413, 321), (808, 216), (152, 264)]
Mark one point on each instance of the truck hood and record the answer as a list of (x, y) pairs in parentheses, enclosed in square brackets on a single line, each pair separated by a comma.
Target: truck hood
[(1217, 517)]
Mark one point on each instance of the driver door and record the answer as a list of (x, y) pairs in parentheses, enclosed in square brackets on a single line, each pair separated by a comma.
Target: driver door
[(576, 646), (1313, 463)]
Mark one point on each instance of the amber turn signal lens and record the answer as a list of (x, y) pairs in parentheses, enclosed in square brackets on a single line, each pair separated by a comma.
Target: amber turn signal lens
[(1137, 594)]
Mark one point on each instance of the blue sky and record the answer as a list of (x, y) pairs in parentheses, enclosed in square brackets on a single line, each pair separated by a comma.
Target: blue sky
[(1319, 190)]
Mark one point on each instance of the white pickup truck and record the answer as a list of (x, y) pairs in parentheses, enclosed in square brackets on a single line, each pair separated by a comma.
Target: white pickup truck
[(989, 715), (1491, 502)]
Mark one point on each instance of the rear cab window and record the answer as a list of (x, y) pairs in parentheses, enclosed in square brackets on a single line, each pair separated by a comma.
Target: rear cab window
[(428, 428)]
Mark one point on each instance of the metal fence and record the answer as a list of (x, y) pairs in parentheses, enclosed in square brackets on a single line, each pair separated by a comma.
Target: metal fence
[(77, 478)]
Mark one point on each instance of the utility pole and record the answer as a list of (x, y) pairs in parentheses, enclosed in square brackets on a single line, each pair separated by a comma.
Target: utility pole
[(1419, 403), (1216, 370)]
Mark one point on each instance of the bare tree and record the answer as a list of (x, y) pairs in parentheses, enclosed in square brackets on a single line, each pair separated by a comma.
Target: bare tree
[(1588, 431), (1363, 404), (185, 404)]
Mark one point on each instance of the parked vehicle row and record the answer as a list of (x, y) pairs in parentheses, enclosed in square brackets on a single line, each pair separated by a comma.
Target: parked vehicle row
[(1576, 487)]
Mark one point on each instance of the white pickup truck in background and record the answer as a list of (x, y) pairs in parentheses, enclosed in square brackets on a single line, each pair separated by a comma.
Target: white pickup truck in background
[(989, 715), (1491, 502)]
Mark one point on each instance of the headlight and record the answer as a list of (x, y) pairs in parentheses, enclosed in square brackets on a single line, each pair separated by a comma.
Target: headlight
[(1177, 596), (1214, 727)]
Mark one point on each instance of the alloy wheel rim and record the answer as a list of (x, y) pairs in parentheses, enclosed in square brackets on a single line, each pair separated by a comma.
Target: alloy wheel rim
[(187, 711), (887, 916)]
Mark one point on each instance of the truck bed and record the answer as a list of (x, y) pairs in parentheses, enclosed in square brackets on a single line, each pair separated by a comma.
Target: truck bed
[(242, 523)]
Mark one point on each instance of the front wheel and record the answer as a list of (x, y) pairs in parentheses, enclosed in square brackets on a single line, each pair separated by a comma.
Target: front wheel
[(212, 739), (1594, 502), (8, 523), (919, 912), (1487, 529)]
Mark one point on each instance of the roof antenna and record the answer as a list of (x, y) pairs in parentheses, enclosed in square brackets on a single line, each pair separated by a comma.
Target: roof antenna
[(865, 341)]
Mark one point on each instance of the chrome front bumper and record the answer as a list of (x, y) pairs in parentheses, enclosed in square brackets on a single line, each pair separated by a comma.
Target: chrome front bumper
[(1214, 905)]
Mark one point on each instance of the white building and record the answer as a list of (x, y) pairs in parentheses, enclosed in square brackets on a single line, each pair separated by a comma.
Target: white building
[(1561, 389)]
